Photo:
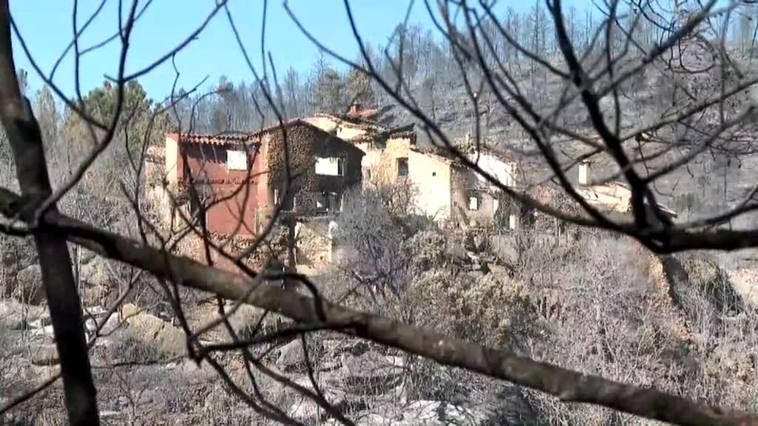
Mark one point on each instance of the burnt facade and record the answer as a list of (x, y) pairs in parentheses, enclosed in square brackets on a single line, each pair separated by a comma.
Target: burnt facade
[(234, 183), (322, 168), (216, 179)]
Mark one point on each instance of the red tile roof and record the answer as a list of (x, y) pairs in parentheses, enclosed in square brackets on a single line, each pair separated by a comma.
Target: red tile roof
[(237, 138), (221, 139)]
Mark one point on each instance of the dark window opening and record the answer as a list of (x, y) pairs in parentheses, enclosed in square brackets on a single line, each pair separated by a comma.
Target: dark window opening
[(402, 167)]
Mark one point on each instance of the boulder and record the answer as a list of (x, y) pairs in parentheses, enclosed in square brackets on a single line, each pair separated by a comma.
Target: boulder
[(110, 323), (153, 332), (28, 287), (438, 413), (15, 315), (95, 272), (371, 373), (291, 356), (306, 411), (44, 355)]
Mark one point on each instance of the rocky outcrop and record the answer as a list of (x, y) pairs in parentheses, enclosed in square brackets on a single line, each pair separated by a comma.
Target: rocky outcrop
[(44, 355), (370, 373), (153, 332), (692, 276), (94, 272), (291, 356), (15, 315), (745, 282)]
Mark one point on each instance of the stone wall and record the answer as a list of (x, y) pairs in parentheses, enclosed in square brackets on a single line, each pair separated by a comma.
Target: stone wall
[(156, 184), (465, 185), (314, 247), (304, 144), (382, 158)]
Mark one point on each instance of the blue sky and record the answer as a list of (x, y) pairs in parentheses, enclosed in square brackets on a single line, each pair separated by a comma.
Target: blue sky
[(46, 26)]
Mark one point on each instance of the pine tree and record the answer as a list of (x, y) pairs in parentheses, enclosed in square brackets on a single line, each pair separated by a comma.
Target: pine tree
[(358, 87)]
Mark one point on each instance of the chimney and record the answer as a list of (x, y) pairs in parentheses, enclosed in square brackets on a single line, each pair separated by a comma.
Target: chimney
[(584, 173), (355, 108)]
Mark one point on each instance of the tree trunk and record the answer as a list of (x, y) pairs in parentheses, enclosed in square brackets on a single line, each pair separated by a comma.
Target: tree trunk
[(63, 300)]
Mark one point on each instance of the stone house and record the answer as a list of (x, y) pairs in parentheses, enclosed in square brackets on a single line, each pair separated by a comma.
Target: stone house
[(476, 201), (449, 191), (240, 179), (612, 198), (444, 188), (385, 149), (224, 171)]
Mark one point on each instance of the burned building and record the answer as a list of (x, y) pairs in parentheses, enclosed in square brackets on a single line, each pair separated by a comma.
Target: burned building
[(385, 148), (217, 179), (236, 181), (612, 198), (452, 192), (444, 188), (321, 168)]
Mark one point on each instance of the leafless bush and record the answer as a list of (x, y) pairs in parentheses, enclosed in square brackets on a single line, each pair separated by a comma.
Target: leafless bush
[(371, 231), (610, 308)]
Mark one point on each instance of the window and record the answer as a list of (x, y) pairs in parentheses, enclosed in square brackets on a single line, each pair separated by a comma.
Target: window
[(322, 202), (473, 202), (402, 166), (330, 166), (513, 221), (236, 160)]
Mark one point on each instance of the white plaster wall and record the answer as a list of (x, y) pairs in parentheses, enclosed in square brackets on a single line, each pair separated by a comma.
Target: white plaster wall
[(431, 177), (171, 154)]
